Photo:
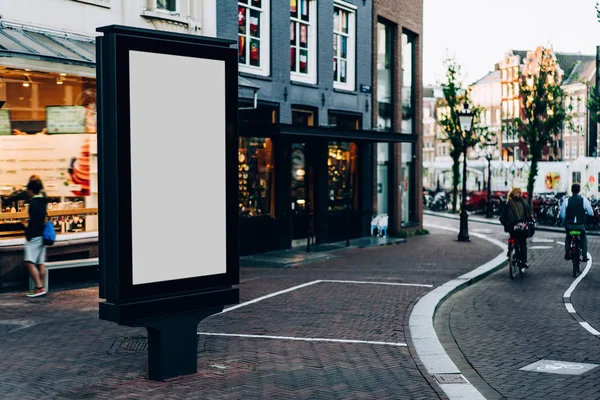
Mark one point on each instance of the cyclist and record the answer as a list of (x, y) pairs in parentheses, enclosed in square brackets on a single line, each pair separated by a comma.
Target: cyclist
[(515, 211), (572, 214)]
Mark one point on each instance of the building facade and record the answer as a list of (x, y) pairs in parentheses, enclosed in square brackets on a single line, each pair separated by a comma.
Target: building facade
[(398, 108)]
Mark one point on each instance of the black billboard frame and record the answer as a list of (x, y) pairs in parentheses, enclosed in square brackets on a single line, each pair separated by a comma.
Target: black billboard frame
[(172, 309)]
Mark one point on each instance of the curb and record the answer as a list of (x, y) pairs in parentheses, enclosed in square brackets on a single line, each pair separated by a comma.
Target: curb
[(430, 351), (541, 228)]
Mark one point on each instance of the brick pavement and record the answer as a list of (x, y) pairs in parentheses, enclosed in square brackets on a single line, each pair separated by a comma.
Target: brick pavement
[(68, 353), (497, 326)]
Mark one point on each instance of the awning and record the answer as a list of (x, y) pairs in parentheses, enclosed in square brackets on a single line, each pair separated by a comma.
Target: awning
[(27, 47), (335, 134)]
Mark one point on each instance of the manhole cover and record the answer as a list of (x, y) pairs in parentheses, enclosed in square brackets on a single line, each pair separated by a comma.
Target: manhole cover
[(559, 367), (446, 379)]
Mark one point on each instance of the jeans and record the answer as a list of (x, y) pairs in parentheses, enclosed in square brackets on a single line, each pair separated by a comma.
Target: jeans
[(583, 236)]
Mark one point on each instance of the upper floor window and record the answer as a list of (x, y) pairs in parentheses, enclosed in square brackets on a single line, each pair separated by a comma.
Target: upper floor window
[(344, 33), (408, 89), (253, 36), (303, 40), (167, 5)]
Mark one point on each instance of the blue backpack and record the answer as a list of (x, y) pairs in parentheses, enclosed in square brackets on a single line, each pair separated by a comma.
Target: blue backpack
[(49, 234)]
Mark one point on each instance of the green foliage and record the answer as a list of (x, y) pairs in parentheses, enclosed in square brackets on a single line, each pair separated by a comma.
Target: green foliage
[(543, 111), (403, 234), (454, 98), (421, 232)]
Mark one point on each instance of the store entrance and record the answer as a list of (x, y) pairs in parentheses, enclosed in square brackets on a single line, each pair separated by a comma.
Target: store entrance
[(302, 194)]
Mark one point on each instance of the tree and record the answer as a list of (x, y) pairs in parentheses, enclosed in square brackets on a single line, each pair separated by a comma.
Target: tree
[(454, 97), (542, 112)]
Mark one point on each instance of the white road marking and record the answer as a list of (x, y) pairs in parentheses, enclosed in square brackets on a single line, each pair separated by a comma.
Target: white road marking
[(570, 308), (561, 243), (304, 339), (377, 283), (579, 278), (589, 328), (540, 247), (542, 240), (269, 296)]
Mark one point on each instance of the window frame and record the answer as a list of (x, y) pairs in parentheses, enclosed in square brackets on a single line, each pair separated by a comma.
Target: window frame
[(311, 76), (264, 57), (177, 10), (350, 83)]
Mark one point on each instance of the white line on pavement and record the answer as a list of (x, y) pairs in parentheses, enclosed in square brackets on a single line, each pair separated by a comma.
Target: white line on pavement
[(378, 283), (269, 296), (540, 247), (570, 308), (561, 243), (579, 278), (304, 339), (542, 240), (589, 328)]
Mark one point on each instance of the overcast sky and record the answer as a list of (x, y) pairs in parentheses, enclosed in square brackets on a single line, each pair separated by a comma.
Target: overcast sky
[(479, 32)]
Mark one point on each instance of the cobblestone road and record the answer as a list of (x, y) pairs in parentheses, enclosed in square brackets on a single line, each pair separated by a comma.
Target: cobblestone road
[(494, 328), (55, 347)]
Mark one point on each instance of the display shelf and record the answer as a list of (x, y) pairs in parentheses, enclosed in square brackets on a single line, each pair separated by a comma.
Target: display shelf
[(51, 213)]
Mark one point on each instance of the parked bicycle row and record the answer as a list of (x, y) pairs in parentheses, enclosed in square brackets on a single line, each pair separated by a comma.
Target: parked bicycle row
[(546, 206)]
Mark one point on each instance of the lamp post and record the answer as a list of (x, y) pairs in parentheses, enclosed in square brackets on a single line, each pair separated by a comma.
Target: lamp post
[(490, 147), (466, 122)]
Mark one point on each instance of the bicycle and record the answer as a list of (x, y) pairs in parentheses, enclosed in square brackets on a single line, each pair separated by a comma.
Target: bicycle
[(575, 251), (515, 264)]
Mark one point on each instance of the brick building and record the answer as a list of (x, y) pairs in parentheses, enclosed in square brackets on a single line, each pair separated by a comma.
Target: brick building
[(398, 107)]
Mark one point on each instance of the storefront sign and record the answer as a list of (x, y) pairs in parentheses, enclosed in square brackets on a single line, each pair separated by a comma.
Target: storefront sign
[(63, 162), (65, 119), (5, 127)]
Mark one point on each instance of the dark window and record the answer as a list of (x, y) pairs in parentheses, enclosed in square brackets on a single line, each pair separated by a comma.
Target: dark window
[(408, 90), (344, 121), (255, 177), (342, 175), (304, 117), (385, 81)]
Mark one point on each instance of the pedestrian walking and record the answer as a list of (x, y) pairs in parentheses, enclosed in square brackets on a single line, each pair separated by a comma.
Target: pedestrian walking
[(35, 250)]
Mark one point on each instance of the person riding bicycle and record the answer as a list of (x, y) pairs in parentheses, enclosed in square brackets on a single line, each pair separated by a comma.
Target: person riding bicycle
[(516, 211), (572, 214)]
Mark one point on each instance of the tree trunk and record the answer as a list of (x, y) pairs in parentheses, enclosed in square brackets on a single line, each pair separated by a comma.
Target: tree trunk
[(532, 175), (455, 181)]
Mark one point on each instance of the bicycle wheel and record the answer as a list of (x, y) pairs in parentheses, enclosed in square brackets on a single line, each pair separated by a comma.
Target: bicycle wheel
[(575, 259), (513, 263)]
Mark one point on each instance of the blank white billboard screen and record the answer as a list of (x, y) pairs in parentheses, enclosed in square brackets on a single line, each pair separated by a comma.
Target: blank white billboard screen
[(177, 167)]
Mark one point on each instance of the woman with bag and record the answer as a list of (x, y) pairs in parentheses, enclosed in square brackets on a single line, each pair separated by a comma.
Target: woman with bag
[(35, 249), (515, 217)]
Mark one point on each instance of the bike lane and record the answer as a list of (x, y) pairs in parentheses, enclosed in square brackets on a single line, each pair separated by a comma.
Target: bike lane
[(496, 327)]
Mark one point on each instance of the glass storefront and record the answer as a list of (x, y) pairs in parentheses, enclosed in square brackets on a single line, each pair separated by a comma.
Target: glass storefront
[(342, 175), (385, 63), (47, 128), (255, 177), (408, 181), (383, 155)]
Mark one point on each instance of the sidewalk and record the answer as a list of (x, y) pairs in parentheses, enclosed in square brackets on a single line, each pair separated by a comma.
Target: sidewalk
[(342, 334), (494, 221)]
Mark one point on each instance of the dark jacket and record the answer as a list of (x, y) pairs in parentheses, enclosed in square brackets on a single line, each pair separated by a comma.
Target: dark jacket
[(37, 217), (514, 211), (575, 210)]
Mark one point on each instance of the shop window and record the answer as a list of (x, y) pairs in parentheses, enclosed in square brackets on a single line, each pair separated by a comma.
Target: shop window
[(262, 114), (383, 156), (303, 117), (255, 177), (303, 40), (342, 175), (254, 36), (408, 183), (408, 89), (344, 121), (170, 6), (385, 67), (344, 37)]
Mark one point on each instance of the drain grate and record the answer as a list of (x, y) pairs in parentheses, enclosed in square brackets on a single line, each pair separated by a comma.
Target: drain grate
[(132, 344), (449, 379)]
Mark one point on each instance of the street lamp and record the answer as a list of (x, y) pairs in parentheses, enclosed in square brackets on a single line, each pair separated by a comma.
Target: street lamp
[(465, 118), (490, 148)]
